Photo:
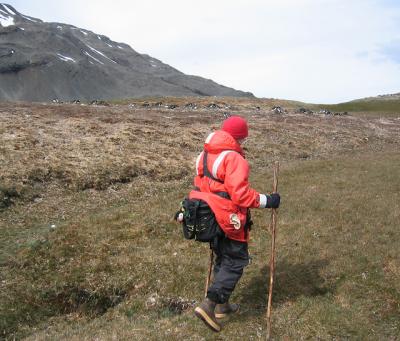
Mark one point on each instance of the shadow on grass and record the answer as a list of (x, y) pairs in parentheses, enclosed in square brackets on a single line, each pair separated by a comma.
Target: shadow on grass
[(291, 281)]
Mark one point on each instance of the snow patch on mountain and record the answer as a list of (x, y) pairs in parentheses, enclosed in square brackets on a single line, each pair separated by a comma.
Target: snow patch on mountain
[(6, 20), (65, 58), (100, 53), (9, 9), (89, 55)]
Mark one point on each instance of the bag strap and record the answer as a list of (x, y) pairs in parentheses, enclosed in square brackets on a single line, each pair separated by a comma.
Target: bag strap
[(224, 195), (196, 207), (206, 172)]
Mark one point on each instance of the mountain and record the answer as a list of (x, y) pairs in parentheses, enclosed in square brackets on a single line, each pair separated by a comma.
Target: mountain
[(40, 61)]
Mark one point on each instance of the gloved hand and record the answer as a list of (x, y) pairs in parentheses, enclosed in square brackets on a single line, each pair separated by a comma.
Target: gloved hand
[(273, 200)]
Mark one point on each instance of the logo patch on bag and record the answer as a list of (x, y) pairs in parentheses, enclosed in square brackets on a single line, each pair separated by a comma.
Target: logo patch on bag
[(235, 221)]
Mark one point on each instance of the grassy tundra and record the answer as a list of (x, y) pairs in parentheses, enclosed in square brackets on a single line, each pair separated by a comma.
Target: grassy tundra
[(89, 251)]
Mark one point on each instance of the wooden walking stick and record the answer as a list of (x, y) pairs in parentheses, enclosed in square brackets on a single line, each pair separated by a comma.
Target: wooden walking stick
[(272, 259), (209, 271)]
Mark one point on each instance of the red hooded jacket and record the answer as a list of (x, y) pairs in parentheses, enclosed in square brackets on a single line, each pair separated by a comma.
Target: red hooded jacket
[(226, 162)]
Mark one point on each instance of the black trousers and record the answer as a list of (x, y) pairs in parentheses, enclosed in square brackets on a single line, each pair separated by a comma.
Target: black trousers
[(231, 258)]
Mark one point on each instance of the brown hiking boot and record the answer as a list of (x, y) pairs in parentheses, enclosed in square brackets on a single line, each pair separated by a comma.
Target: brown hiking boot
[(222, 310), (205, 312)]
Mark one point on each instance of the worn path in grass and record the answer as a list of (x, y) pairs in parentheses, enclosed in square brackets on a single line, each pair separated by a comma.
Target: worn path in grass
[(115, 266)]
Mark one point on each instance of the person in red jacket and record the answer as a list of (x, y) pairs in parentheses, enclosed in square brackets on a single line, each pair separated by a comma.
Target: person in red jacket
[(221, 180)]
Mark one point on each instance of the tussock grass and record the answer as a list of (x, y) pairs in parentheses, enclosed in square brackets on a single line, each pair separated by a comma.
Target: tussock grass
[(85, 147), (86, 262)]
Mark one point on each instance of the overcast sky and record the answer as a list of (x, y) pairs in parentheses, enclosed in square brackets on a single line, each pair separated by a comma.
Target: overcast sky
[(319, 51)]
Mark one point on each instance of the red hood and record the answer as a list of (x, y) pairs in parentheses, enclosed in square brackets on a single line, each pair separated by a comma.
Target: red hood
[(220, 140)]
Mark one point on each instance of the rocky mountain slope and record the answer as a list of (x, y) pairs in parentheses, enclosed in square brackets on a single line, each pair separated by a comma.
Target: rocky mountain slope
[(40, 61)]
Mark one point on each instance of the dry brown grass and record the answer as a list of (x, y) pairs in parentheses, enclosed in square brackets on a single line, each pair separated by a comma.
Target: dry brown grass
[(82, 147)]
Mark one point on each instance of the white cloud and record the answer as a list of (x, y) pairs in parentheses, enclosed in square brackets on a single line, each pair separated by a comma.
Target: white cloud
[(315, 51)]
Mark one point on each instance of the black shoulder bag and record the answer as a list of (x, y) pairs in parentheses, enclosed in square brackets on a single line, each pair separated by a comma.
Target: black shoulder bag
[(199, 222)]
